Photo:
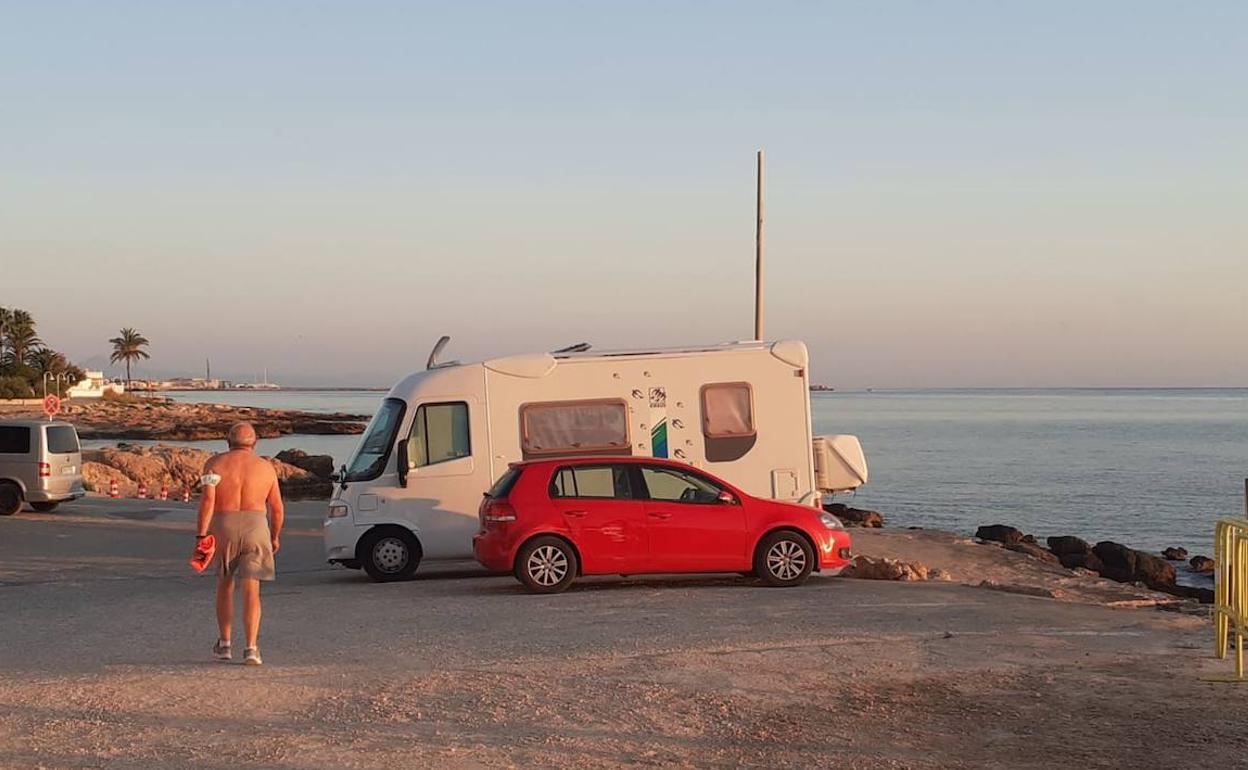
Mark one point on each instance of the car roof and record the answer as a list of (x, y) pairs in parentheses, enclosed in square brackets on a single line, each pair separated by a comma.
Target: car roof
[(32, 423), (599, 460)]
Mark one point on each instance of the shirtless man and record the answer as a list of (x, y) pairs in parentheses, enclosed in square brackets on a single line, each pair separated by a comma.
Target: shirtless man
[(237, 487)]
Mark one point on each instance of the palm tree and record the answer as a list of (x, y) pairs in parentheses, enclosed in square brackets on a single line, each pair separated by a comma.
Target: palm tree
[(128, 347), (6, 320), (22, 340)]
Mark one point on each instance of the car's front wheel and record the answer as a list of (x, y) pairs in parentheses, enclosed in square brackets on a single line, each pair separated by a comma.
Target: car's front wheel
[(44, 507), (784, 558), (10, 499), (546, 565), (389, 553)]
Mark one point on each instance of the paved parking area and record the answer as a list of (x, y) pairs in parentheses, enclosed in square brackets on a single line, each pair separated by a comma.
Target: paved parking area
[(104, 662)]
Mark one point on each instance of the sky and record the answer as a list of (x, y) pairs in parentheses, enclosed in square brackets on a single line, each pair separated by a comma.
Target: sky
[(959, 194)]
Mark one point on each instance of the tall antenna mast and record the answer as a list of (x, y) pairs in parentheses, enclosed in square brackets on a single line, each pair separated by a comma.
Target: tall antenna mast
[(758, 254)]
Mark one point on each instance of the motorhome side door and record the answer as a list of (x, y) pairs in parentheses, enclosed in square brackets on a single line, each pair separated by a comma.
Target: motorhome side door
[(447, 471)]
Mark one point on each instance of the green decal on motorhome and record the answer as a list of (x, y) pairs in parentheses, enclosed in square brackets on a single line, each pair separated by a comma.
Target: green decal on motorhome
[(658, 439)]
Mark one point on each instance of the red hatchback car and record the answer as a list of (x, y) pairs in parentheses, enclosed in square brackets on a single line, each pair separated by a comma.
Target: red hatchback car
[(551, 520)]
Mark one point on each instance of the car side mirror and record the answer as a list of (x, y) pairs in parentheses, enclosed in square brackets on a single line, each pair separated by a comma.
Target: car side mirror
[(404, 464), (726, 498)]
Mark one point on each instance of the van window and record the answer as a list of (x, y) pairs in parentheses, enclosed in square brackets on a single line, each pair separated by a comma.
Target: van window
[(728, 420), (14, 440), (574, 428), (677, 486), (602, 481), (439, 433), (374, 449), (62, 440)]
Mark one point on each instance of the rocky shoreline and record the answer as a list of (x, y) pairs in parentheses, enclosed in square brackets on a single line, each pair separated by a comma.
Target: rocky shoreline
[(300, 475), (160, 419), (1105, 559)]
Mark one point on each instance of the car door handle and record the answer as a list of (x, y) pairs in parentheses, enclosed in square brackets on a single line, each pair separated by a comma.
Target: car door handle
[(659, 515), (576, 514)]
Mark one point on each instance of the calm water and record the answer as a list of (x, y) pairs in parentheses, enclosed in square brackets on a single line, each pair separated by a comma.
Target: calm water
[(1150, 468)]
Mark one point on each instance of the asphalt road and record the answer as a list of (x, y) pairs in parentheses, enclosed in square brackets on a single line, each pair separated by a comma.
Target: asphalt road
[(105, 643)]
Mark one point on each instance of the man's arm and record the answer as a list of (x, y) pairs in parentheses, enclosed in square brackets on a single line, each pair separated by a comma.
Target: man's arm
[(277, 514), (207, 499)]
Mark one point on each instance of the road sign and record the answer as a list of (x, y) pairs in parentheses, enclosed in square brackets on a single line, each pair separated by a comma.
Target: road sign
[(51, 406)]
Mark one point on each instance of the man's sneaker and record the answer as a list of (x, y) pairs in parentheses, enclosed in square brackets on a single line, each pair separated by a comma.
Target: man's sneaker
[(221, 651), (251, 656)]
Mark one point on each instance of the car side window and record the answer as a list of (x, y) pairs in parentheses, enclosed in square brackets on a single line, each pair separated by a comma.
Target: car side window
[(14, 440), (591, 481), (677, 486)]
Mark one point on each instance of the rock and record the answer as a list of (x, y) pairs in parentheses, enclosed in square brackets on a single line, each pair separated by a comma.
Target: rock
[(1202, 564), (1175, 554), (850, 517), (1068, 544), (318, 465), (298, 483), (1034, 551), (178, 467), (97, 477), (868, 568), (1202, 595), (1000, 533), (1031, 539), (1082, 561), (1127, 565)]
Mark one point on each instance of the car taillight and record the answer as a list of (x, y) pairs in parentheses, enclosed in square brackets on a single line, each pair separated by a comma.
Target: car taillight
[(45, 470), (498, 511)]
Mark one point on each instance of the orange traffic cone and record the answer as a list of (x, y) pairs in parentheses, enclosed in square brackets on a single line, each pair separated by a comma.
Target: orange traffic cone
[(142, 491), (186, 494), (164, 492), (112, 489)]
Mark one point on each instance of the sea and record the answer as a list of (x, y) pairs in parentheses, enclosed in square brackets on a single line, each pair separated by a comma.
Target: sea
[(1148, 468)]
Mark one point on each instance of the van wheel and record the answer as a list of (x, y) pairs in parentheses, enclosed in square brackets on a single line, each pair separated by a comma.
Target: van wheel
[(546, 565), (389, 553), (10, 499), (44, 507), (784, 559)]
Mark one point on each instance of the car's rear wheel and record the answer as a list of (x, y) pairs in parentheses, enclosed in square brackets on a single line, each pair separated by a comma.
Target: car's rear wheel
[(388, 554), (44, 507), (546, 565), (784, 558), (10, 499)]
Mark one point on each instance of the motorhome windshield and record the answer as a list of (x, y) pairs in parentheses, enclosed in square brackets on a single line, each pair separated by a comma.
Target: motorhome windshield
[(370, 458)]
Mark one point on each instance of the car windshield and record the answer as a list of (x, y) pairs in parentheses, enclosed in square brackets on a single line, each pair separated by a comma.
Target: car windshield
[(374, 449), (62, 439)]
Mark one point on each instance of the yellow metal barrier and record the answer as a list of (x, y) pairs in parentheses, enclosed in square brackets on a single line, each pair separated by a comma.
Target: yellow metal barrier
[(1230, 593)]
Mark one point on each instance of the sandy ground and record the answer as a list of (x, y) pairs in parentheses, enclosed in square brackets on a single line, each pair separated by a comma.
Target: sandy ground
[(104, 663)]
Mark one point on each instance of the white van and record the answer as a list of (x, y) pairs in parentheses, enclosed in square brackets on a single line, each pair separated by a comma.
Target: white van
[(443, 435)]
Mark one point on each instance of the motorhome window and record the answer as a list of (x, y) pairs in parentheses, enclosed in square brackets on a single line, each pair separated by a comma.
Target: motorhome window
[(374, 448), (14, 440), (574, 427), (727, 410), (728, 421), (62, 440), (439, 433), (603, 481), (672, 485)]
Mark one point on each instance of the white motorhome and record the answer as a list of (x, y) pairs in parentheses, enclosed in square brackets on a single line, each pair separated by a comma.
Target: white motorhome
[(443, 435)]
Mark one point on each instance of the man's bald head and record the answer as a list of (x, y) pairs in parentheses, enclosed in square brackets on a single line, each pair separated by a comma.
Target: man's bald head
[(242, 436)]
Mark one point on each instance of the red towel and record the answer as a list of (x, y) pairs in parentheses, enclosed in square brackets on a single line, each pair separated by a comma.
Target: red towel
[(205, 549)]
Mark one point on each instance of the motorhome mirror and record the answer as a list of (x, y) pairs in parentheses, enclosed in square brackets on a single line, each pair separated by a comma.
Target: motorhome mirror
[(404, 463)]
